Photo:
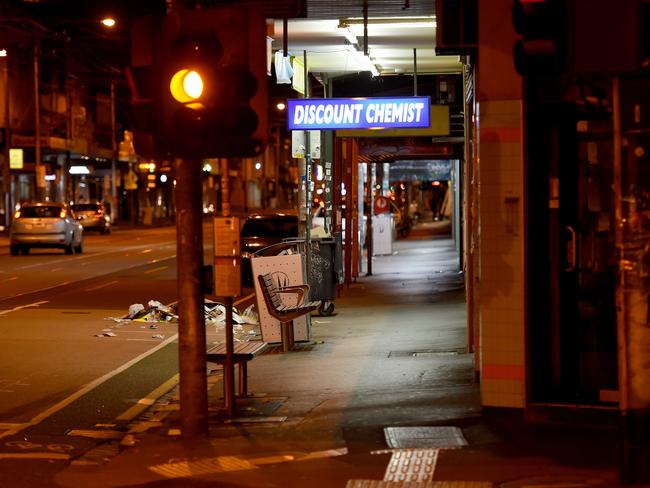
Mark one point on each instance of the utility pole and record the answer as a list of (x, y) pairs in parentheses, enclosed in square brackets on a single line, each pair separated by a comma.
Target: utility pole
[(38, 170), (6, 175), (308, 182), (191, 330), (114, 153)]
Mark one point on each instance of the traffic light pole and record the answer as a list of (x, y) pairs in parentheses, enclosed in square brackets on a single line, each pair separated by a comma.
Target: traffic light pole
[(191, 331)]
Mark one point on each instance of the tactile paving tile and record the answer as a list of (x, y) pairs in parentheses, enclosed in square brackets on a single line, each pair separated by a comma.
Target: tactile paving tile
[(424, 437), (411, 465), (417, 484)]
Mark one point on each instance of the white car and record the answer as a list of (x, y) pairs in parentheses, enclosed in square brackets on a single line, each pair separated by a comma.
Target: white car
[(45, 224)]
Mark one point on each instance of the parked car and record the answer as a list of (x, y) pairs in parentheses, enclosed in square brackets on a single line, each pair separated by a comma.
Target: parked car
[(45, 224), (93, 216), (260, 231), (318, 223)]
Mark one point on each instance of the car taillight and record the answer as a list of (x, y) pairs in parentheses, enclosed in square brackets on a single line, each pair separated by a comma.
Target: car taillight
[(62, 214), (17, 214)]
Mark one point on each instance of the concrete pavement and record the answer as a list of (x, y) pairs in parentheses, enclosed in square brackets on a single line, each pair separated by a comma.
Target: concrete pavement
[(392, 356)]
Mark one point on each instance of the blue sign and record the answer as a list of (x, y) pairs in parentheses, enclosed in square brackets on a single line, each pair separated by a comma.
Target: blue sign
[(358, 113)]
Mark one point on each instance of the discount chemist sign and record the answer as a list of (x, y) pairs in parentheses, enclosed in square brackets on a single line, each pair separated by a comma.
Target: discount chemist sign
[(358, 113)]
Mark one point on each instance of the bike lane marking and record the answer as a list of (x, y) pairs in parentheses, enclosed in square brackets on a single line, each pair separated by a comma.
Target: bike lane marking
[(85, 390)]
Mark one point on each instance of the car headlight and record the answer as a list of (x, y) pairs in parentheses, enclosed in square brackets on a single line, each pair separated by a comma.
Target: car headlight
[(246, 255)]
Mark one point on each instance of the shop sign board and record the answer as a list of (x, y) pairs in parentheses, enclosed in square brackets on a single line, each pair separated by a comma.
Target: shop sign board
[(16, 159), (358, 113)]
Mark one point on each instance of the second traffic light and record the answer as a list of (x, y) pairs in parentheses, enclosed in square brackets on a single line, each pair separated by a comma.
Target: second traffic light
[(211, 70), (541, 26)]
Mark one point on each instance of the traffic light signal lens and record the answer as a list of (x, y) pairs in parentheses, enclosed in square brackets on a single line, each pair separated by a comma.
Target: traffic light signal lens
[(186, 86), (193, 84)]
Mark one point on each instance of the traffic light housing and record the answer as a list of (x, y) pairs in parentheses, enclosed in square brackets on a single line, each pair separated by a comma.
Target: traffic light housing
[(213, 86), (541, 25), (203, 92)]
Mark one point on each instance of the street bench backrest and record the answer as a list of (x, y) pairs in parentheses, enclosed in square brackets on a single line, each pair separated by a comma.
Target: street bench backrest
[(270, 291)]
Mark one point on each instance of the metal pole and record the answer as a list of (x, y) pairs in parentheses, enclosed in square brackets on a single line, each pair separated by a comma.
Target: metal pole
[(191, 329), (37, 122), (114, 153), (627, 458), (225, 188), (229, 365), (327, 150), (6, 174), (369, 225), (415, 72), (366, 52), (285, 37), (307, 186)]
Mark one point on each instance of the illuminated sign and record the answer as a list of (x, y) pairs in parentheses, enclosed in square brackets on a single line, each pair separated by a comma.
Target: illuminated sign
[(79, 170), (16, 158), (358, 113)]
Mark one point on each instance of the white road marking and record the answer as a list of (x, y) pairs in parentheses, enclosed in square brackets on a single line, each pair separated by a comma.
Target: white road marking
[(35, 455), (145, 251), (85, 257), (83, 391), (102, 285), (35, 304), (172, 256), (56, 269), (11, 279), (149, 400), (155, 269)]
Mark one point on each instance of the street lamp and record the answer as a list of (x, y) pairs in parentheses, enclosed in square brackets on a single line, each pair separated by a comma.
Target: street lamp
[(108, 22)]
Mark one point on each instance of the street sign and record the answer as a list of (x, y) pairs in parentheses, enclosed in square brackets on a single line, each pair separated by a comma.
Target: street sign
[(358, 113)]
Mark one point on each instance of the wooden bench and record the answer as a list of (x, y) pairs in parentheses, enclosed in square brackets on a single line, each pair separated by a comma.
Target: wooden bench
[(243, 352), (285, 313)]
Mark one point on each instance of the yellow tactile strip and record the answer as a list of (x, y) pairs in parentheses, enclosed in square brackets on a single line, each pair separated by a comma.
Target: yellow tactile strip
[(222, 464), (417, 484), (411, 465)]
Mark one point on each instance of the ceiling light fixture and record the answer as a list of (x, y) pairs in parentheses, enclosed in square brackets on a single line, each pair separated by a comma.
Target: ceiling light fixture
[(421, 20), (348, 34), (364, 62)]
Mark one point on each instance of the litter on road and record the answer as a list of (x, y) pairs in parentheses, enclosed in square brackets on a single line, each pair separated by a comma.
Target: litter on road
[(155, 313)]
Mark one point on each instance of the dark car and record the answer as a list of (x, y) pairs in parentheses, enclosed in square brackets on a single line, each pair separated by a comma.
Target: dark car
[(93, 216), (260, 231)]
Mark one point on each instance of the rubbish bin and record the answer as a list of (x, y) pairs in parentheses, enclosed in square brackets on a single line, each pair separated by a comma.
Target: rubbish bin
[(323, 270)]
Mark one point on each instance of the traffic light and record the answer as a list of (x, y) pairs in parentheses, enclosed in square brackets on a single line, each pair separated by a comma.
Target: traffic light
[(541, 24), (213, 87), (199, 84)]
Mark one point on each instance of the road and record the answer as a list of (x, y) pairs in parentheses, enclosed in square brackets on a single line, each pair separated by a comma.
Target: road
[(64, 384)]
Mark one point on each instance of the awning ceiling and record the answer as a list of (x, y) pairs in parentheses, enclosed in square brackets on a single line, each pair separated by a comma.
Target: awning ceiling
[(395, 29)]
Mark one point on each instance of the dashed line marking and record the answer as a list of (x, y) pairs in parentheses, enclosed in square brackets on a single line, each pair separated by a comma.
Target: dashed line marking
[(154, 270), (102, 285), (20, 307), (35, 455)]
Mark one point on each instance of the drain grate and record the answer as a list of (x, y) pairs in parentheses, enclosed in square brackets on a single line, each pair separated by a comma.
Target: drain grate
[(443, 437)]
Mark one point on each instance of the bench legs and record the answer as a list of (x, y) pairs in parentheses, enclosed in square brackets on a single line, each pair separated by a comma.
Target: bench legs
[(243, 379), (286, 329)]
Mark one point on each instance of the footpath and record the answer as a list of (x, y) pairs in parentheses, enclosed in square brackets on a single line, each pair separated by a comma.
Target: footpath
[(383, 395)]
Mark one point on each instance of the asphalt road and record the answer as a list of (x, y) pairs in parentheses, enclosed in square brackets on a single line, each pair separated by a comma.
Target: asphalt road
[(64, 385)]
